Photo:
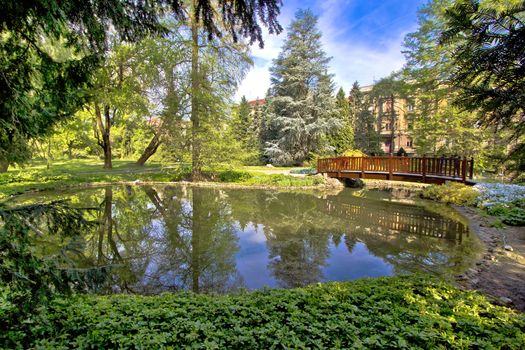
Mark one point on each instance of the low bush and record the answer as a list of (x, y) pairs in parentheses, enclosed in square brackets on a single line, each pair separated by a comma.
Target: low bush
[(392, 312), (353, 153), (498, 210), (452, 193), (281, 180), (234, 176), (514, 217)]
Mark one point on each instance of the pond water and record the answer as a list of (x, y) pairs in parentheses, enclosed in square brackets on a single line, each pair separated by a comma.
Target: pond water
[(167, 238)]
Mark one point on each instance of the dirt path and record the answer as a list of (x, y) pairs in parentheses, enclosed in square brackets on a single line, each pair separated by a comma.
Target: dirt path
[(500, 273)]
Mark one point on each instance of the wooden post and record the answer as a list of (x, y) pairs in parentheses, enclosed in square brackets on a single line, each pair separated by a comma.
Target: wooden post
[(471, 168), (362, 167), (390, 168), (464, 169), (424, 168)]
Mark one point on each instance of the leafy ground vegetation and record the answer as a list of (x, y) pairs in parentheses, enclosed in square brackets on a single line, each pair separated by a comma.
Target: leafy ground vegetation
[(88, 171), (505, 201), (394, 312)]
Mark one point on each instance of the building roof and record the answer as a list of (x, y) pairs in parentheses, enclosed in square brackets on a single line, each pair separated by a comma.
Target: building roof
[(257, 102)]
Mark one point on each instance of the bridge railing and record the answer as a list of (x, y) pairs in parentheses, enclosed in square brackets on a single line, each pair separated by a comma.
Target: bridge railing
[(454, 168)]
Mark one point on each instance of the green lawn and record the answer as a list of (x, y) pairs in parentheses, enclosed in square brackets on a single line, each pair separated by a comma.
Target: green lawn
[(391, 312), (36, 175)]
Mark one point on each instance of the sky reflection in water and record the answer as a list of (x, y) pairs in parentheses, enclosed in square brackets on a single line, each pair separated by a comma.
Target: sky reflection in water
[(219, 240)]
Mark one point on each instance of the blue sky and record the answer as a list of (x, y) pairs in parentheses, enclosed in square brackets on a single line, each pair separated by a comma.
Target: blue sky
[(363, 37)]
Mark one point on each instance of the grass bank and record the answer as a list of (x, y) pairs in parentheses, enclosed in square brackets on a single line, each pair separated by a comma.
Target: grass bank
[(391, 312), (37, 176)]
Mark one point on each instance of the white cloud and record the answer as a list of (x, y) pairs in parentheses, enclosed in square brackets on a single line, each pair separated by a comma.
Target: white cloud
[(257, 81), (363, 58)]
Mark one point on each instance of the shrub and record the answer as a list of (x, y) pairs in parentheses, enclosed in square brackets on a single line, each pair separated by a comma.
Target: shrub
[(234, 176), (514, 217), (498, 209), (391, 312), (452, 193), (353, 153)]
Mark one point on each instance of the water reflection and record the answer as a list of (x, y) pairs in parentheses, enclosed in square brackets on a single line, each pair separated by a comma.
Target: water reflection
[(152, 239)]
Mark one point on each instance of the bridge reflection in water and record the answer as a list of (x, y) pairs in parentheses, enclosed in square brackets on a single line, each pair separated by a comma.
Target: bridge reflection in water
[(401, 219)]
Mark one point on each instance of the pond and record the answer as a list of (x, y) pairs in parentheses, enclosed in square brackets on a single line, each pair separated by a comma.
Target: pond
[(168, 238)]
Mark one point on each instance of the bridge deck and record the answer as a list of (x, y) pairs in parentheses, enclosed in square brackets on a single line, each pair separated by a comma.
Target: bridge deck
[(416, 169)]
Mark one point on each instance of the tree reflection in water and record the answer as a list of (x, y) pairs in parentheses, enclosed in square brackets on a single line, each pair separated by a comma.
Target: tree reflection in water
[(177, 238)]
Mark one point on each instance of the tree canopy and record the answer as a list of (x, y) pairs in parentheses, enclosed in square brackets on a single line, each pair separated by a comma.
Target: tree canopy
[(301, 103), (39, 87)]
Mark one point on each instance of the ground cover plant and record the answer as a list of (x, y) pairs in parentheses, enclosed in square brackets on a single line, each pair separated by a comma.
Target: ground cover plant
[(391, 312), (506, 201)]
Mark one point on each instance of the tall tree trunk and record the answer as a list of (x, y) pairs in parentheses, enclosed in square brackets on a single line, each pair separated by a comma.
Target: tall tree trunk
[(4, 165), (150, 150), (70, 145), (104, 127), (196, 172)]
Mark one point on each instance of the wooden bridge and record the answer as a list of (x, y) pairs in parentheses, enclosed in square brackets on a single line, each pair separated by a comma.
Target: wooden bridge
[(417, 169)]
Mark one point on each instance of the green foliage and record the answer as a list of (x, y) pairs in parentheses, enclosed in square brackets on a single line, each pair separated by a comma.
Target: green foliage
[(366, 137), (488, 41), (28, 282), (460, 65), (497, 224), (514, 217), (393, 312), (451, 192), (342, 138), (234, 176), (51, 49), (302, 109), (84, 172), (498, 209), (512, 214)]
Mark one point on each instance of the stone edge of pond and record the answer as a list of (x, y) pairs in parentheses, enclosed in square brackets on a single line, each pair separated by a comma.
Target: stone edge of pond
[(172, 183), (387, 185), (369, 183), (492, 247)]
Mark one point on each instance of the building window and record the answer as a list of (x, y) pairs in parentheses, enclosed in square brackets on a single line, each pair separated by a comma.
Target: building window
[(411, 107), (387, 126), (409, 143)]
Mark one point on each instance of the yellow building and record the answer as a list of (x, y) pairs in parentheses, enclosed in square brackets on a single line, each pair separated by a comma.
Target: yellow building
[(394, 128)]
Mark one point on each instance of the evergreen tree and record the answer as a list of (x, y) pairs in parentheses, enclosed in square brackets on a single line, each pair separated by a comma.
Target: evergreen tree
[(366, 137), (242, 121), (245, 131), (342, 139), (301, 106)]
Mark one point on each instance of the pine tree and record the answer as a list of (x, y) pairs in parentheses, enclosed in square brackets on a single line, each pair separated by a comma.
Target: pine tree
[(301, 106), (245, 130), (366, 137), (342, 139), (242, 120)]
